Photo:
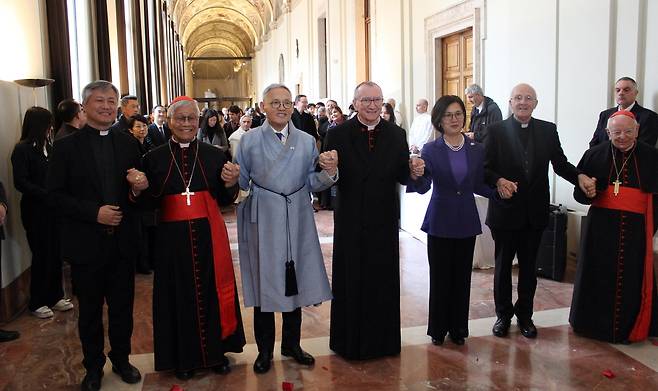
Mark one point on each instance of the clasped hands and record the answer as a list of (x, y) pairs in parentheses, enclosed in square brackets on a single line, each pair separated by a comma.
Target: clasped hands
[(416, 167), (230, 174), (587, 185), (506, 188), (329, 162)]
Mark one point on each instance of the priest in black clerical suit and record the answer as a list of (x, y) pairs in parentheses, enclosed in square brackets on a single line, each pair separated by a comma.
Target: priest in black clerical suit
[(88, 183), (518, 151), (374, 158)]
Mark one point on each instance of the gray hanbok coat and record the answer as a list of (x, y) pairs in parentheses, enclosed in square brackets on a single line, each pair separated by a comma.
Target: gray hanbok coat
[(268, 169)]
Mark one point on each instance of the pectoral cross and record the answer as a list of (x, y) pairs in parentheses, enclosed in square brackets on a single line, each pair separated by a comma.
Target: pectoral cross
[(187, 193), (616, 189)]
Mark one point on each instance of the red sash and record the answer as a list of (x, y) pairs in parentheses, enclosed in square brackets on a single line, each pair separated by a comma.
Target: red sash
[(203, 205), (636, 201)]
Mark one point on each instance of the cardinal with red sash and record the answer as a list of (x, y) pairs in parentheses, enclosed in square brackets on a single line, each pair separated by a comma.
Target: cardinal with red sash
[(614, 296), (196, 313)]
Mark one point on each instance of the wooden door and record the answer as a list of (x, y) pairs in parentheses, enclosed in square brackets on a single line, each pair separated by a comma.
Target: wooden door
[(457, 65)]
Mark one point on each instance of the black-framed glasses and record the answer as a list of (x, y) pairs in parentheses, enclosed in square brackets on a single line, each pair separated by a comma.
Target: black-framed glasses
[(368, 100)]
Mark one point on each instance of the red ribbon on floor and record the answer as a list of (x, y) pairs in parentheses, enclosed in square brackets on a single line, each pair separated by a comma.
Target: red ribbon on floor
[(636, 201), (203, 205)]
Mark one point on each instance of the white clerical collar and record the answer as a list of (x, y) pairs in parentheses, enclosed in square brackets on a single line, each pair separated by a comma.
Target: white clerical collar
[(103, 132), (182, 145), (629, 108), (369, 127)]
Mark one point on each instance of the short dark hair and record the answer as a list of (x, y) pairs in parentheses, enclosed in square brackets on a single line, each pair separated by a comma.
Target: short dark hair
[(126, 98), (298, 97), (234, 109), (137, 118), (311, 105), (319, 104), (626, 78), (440, 108), (67, 110)]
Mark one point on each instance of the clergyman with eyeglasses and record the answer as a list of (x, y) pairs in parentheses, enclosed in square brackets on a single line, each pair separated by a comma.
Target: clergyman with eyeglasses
[(374, 157), (614, 295), (517, 153), (280, 257)]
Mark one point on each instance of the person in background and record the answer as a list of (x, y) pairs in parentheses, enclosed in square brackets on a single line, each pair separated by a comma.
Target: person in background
[(30, 164), (233, 122), (138, 127), (5, 335), (485, 112), (159, 131), (387, 113), (211, 131), (129, 107), (72, 116), (454, 168)]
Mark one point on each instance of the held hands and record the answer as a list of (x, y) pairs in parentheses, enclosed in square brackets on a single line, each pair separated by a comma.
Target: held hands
[(506, 189), (230, 174), (587, 185), (416, 167), (329, 161), (109, 215), (470, 135), (137, 180)]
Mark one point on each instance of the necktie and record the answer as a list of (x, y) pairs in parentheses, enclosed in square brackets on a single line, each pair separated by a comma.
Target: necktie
[(161, 130), (279, 135)]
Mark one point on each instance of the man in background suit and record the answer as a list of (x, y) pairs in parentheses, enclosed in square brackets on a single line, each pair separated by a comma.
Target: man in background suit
[(91, 177), (5, 335), (303, 120), (129, 107), (518, 151), (158, 130), (625, 95)]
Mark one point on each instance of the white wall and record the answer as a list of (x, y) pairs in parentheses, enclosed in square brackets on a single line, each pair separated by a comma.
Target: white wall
[(24, 22)]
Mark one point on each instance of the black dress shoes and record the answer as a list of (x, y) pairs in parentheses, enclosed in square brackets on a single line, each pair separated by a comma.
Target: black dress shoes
[(223, 367), (298, 355), (438, 341), (457, 340), (128, 373), (6, 335), (184, 375), (92, 381), (501, 327), (263, 362), (527, 327)]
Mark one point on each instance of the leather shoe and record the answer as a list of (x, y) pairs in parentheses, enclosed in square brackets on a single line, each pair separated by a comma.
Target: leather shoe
[(92, 381), (128, 373), (527, 327), (298, 355), (438, 341), (6, 335), (457, 340), (263, 362), (223, 367), (184, 375), (501, 327)]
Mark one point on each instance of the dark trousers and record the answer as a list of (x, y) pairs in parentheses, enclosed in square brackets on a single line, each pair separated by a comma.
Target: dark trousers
[(109, 279), (46, 269), (264, 329), (524, 244), (451, 262)]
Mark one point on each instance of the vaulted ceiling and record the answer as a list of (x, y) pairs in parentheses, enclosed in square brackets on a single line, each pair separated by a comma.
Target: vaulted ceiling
[(223, 28)]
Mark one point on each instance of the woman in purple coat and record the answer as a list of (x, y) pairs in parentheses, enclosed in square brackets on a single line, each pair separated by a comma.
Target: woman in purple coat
[(455, 166)]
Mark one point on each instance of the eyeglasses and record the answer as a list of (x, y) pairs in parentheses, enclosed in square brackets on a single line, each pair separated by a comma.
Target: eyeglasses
[(277, 104), (456, 114), (183, 119), (625, 132), (521, 98), (368, 100)]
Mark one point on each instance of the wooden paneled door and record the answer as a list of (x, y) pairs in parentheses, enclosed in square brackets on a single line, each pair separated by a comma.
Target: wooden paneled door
[(457, 65)]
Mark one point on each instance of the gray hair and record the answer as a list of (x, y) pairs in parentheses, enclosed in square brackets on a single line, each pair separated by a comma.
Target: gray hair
[(474, 89), (182, 103), (246, 116), (274, 86), (626, 78), (127, 98), (103, 85), (368, 83), (607, 125)]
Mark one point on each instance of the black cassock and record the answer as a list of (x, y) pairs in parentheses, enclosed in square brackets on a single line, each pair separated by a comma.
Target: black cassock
[(186, 318), (608, 285), (365, 310)]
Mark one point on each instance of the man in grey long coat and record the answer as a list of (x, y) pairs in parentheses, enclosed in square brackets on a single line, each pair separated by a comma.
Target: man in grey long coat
[(280, 257)]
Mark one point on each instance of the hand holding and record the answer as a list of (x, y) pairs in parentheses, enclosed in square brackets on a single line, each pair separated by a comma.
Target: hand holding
[(137, 180), (506, 189), (587, 185), (109, 215), (329, 161), (230, 173), (416, 167)]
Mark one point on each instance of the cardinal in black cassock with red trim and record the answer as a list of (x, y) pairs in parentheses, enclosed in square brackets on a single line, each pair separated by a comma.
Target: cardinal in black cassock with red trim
[(614, 296), (196, 313)]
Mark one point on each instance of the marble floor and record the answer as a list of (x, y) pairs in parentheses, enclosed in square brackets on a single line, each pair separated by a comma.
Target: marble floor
[(48, 356)]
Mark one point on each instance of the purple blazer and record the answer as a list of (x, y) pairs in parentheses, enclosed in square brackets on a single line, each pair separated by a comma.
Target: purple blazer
[(452, 212)]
